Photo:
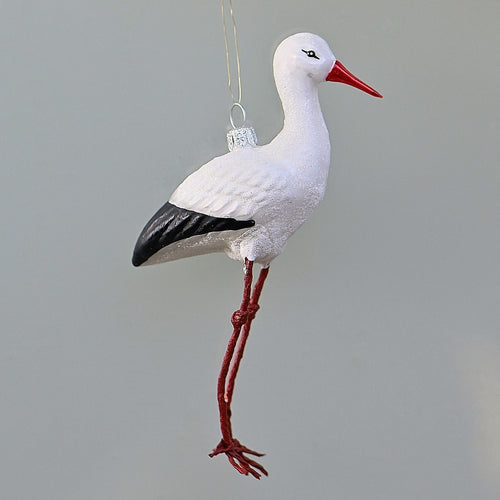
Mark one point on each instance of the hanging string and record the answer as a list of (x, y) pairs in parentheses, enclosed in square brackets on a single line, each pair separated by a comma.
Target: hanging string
[(228, 64), (236, 101)]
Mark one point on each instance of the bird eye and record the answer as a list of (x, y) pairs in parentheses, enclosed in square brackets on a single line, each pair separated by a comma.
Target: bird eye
[(310, 53)]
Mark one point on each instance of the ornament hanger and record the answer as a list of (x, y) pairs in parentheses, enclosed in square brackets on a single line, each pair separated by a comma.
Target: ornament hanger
[(237, 137), (236, 49)]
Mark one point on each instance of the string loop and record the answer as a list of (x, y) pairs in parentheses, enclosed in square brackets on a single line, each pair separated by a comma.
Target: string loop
[(243, 113)]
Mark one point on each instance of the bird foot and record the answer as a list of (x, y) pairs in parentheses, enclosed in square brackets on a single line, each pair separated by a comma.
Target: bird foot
[(235, 454)]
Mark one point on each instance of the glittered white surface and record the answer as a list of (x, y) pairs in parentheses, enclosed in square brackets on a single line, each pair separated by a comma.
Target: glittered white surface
[(277, 185)]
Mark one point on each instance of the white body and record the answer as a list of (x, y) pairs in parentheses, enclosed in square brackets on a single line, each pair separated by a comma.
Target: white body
[(277, 185)]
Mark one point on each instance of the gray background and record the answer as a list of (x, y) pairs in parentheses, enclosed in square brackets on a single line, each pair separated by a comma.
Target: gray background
[(373, 371)]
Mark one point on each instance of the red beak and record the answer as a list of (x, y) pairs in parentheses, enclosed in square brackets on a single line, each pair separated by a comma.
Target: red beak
[(340, 74)]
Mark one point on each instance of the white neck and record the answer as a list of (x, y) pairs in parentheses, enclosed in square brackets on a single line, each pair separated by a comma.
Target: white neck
[(304, 128)]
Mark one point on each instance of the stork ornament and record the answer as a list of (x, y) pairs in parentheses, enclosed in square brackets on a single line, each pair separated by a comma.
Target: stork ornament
[(248, 202)]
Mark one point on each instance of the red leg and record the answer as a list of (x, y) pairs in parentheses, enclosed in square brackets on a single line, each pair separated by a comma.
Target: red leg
[(243, 316), (238, 320), (252, 309)]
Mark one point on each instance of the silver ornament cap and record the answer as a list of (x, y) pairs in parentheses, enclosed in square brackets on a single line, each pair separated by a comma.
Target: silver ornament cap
[(241, 138)]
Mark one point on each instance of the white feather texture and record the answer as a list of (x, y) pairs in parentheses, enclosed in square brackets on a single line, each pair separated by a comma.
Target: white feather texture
[(277, 185)]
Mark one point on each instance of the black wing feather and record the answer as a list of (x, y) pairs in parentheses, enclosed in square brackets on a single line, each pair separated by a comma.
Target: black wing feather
[(171, 224)]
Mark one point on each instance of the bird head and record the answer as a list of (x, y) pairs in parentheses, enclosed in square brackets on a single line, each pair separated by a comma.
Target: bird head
[(305, 55)]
